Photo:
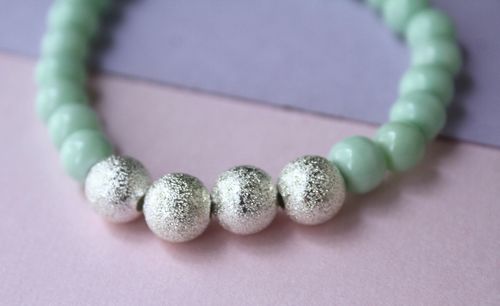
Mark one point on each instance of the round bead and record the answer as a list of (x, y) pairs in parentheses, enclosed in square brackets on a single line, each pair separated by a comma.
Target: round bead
[(421, 109), (177, 207), (66, 42), (115, 186), (361, 163), (312, 189), (53, 69), (77, 15), (431, 79), (244, 200), (403, 145), (83, 149), (427, 24), (70, 118), (397, 13), (53, 95), (438, 52)]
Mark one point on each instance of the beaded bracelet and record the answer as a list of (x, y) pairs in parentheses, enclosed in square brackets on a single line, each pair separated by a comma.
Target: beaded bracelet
[(310, 189)]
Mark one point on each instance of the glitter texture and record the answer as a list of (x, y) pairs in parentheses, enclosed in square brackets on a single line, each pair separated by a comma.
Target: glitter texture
[(245, 200), (312, 189), (115, 186), (177, 207)]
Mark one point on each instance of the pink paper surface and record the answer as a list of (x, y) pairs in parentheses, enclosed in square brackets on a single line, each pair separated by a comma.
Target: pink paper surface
[(428, 237)]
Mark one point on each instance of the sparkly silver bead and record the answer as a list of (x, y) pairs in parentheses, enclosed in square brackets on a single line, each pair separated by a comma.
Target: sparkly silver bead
[(245, 200), (115, 186), (312, 189), (177, 207)]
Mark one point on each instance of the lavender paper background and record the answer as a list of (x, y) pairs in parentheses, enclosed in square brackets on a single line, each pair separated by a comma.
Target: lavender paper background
[(326, 56)]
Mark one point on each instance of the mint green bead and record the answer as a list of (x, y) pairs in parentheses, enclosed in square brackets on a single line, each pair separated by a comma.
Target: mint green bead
[(361, 163), (375, 4), (78, 15), (64, 42), (70, 118), (96, 4), (397, 13), (431, 79), (403, 145), (54, 69), (438, 52), (429, 24), (421, 109), (51, 96), (83, 149)]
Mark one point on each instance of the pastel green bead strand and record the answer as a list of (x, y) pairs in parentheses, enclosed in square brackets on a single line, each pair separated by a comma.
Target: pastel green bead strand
[(361, 162), (70, 118), (65, 42), (78, 15), (431, 79), (422, 110), (55, 68), (57, 93), (403, 145), (83, 149), (398, 13), (444, 53), (429, 24)]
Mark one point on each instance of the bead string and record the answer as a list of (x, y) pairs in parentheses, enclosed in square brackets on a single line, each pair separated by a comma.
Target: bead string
[(310, 189)]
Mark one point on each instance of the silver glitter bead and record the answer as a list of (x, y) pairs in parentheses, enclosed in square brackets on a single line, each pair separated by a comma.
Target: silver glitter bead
[(115, 186), (312, 189), (245, 200), (177, 207)]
